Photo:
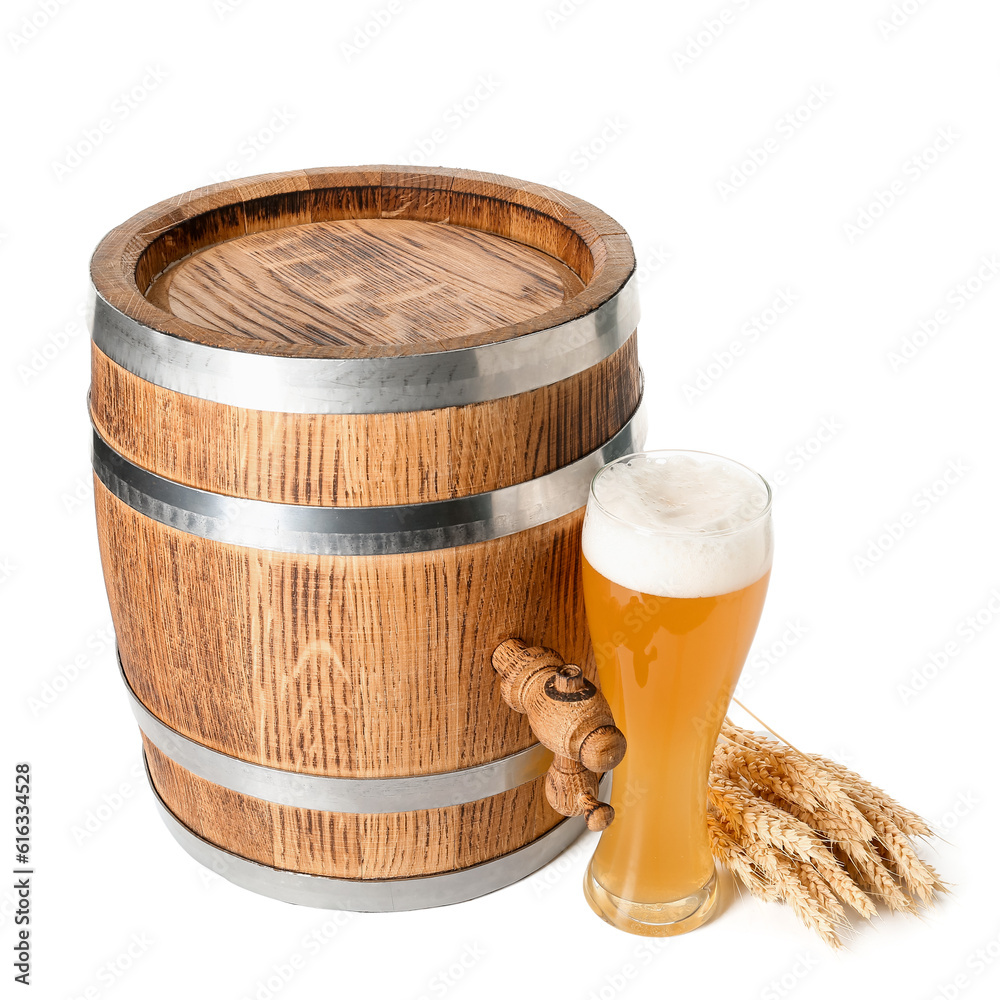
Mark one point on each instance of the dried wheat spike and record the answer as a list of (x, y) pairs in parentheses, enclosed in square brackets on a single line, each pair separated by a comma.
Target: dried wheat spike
[(811, 832)]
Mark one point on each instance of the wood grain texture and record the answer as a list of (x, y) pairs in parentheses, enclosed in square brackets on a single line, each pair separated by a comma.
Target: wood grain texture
[(353, 845), (363, 459), (589, 243), (359, 281), (360, 666)]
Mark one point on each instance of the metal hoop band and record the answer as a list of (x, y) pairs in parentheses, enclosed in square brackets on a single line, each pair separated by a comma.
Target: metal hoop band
[(368, 385), (332, 794), (358, 531), (374, 895)]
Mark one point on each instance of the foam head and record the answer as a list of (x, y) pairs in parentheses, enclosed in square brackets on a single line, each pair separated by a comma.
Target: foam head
[(678, 524)]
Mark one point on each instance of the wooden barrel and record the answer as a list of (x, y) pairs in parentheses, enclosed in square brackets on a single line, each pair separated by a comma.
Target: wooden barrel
[(344, 426)]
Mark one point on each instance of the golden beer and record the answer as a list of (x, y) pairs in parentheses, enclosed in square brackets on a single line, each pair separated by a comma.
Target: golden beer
[(693, 539)]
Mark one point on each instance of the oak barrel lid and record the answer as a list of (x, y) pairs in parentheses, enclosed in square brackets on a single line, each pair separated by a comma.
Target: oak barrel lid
[(362, 262)]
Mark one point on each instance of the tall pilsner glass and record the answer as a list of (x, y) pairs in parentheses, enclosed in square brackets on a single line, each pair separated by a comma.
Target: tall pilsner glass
[(677, 555)]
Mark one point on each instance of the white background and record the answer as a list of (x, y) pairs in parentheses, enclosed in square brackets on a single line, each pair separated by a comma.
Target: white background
[(595, 101)]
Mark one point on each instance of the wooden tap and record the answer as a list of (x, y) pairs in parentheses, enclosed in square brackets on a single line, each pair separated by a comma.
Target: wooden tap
[(571, 717)]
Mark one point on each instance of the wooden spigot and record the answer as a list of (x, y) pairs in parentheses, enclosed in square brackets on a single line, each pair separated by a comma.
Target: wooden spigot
[(571, 717), (572, 789)]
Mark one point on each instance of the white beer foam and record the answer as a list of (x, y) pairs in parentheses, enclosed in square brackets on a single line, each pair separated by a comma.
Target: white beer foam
[(678, 524)]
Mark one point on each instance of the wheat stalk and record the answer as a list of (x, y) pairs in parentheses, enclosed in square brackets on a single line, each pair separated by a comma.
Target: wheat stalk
[(806, 830)]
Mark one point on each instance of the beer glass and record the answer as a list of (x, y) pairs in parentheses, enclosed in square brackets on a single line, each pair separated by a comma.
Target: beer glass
[(676, 559)]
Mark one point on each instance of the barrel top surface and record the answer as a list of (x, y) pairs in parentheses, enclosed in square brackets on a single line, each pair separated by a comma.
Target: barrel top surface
[(364, 281), (362, 262)]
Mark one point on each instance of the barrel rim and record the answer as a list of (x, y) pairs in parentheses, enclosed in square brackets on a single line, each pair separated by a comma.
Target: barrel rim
[(397, 384), (432, 194), (376, 895)]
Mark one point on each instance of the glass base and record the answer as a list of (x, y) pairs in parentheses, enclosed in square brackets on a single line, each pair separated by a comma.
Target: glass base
[(652, 919)]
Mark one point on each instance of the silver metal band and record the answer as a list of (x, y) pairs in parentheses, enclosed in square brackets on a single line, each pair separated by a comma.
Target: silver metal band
[(347, 795), (377, 895), (368, 385), (312, 530)]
